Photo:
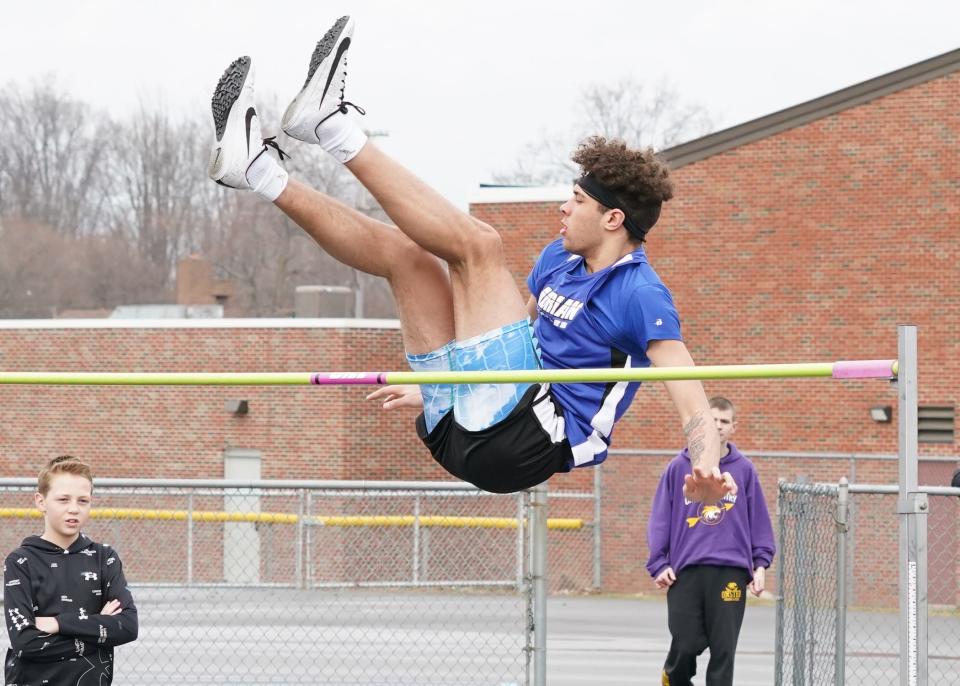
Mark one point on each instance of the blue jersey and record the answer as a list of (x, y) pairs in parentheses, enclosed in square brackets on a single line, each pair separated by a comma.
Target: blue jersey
[(597, 320)]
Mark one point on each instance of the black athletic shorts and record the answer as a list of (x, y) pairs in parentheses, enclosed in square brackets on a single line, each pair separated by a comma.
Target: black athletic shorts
[(515, 453)]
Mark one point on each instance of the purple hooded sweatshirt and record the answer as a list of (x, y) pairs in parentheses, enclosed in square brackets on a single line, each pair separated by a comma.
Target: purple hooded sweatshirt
[(734, 532)]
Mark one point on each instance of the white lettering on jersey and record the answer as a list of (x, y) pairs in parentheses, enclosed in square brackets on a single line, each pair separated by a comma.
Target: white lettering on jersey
[(561, 308)]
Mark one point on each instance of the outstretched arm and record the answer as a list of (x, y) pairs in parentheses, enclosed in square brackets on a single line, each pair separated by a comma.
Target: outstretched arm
[(705, 484), (396, 397)]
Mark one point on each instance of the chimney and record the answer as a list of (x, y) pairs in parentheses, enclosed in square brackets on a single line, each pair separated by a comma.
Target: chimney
[(196, 284), (323, 301)]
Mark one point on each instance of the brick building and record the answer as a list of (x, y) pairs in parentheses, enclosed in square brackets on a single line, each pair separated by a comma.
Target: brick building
[(806, 235)]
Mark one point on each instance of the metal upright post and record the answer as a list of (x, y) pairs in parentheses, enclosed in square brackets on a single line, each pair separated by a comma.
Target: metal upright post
[(781, 580), (523, 536), (538, 580), (597, 532), (912, 511), (190, 539), (840, 650), (303, 547), (416, 539)]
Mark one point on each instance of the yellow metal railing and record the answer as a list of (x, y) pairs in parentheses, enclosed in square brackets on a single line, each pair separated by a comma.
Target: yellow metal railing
[(282, 518)]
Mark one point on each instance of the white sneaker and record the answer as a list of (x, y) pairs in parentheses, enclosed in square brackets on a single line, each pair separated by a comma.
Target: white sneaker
[(322, 93), (237, 126)]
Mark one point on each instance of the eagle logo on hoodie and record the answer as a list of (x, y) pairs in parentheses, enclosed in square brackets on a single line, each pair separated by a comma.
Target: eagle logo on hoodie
[(711, 515)]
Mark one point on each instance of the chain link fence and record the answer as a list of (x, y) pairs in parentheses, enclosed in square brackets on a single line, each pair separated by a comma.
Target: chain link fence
[(807, 612), (333, 584), (838, 612), (574, 553)]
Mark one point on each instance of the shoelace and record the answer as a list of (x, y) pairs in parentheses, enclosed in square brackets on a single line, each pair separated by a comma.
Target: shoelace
[(342, 109), (271, 142)]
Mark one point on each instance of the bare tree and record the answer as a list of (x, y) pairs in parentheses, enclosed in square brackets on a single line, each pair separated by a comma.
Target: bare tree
[(639, 114), (267, 256), (89, 220), (52, 153), (154, 177), (46, 272)]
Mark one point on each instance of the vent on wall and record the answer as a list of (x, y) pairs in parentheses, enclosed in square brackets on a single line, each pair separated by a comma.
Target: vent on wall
[(935, 423)]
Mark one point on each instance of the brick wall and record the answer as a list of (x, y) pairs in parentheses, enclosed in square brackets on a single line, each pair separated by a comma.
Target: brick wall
[(810, 245), (181, 432)]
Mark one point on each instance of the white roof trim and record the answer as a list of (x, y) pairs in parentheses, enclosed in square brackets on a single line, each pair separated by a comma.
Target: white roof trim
[(486, 196), (231, 323)]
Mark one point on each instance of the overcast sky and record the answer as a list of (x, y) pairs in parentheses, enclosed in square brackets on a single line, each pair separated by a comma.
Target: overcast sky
[(459, 87)]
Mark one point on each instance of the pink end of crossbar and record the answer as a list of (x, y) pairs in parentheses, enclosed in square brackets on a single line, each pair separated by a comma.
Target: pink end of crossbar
[(347, 378), (863, 369)]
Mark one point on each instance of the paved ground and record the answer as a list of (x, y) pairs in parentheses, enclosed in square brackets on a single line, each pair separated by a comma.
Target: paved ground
[(285, 637), (616, 642), (356, 637)]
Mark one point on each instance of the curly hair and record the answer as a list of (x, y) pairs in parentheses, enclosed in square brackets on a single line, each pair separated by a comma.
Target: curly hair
[(638, 178)]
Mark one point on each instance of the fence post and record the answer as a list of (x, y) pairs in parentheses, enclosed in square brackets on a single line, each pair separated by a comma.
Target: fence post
[(781, 578), (911, 510), (840, 651), (523, 535), (801, 607), (299, 576), (597, 533), (190, 539), (416, 539), (538, 578)]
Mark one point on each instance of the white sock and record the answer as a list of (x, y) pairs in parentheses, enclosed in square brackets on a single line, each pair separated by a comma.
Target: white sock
[(342, 137), (266, 177)]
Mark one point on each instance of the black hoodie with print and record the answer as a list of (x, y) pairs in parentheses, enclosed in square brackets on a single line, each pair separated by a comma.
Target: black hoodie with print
[(41, 579)]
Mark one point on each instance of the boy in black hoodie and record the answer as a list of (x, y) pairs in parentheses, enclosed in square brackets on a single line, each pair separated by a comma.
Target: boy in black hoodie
[(65, 598)]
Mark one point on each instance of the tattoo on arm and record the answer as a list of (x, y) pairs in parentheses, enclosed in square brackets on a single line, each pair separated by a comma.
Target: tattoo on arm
[(695, 432)]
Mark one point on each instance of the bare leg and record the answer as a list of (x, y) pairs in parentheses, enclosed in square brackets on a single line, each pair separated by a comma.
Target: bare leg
[(418, 279), (485, 296)]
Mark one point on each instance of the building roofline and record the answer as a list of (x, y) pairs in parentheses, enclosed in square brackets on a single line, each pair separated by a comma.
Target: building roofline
[(225, 323), (798, 115), (508, 194)]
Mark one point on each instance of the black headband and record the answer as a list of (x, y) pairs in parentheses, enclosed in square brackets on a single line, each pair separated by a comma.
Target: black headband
[(588, 184)]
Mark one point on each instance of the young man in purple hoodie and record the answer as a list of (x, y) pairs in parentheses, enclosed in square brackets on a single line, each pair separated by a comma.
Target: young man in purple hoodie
[(706, 555)]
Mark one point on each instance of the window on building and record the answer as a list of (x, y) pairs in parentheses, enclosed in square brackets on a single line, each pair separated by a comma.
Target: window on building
[(935, 423)]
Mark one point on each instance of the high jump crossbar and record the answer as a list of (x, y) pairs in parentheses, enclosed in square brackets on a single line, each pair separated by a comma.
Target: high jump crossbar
[(850, 369)]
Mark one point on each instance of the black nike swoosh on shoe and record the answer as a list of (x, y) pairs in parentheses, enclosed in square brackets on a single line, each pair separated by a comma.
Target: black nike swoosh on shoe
[(344, 46), (251, 113)]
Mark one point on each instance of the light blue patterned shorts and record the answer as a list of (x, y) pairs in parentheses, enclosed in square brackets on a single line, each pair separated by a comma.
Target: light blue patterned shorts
[(478, 406)]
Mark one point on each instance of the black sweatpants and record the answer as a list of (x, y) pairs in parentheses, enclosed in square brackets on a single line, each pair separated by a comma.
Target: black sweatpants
[(704, 609)]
